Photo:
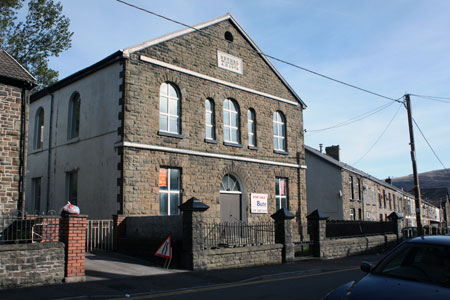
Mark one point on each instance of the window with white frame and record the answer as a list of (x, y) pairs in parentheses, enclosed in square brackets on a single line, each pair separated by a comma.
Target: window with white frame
[(231, 122), (169, 108), (352, 214), (72, 187), (279, 131), (209, 120), (39, 129), (281, 192), (352, 188), (74, 116), (169, 191), (251, 116), (36, 193)]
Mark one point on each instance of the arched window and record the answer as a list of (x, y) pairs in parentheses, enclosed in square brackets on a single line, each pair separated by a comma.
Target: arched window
[(229, 184), (39, 129), (169, 108), (74, 116), (251, 118), (279, 131), (231, 121), (210, 127)]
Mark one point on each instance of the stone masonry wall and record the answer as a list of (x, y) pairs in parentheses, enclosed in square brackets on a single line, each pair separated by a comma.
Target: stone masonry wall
[(240, 257), (31, 264), (337, 248), (10, 108), (201, 176)]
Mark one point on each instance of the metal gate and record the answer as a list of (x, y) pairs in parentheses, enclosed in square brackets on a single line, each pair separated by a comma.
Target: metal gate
[(99, 235)]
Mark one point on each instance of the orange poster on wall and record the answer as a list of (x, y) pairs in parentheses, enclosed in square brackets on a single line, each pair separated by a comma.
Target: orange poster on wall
[(162, 177)]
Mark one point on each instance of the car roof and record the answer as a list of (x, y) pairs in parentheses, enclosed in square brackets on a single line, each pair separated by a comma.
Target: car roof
[(434, 240)]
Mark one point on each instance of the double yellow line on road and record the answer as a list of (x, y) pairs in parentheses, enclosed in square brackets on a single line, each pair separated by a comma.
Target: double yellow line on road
[(238, 284)]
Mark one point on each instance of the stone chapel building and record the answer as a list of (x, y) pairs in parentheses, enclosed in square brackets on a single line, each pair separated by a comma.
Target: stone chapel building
[(197, 113)]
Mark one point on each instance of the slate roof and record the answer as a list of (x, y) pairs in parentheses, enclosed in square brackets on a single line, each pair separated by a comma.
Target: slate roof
[(11, 72), (344, 166)]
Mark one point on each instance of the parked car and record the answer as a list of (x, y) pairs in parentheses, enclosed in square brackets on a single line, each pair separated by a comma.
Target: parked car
[(417, 269)]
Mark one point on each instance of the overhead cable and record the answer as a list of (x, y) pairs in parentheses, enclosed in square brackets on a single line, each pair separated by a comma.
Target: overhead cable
[(261, 53)]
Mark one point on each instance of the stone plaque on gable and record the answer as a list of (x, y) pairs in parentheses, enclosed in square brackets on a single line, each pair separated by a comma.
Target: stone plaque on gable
[(230, 62)]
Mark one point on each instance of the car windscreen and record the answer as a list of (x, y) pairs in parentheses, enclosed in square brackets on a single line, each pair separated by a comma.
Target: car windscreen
[(418, 262)]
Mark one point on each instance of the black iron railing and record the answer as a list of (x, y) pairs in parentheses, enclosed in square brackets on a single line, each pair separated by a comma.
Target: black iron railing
[(28, 229), (225, 235)]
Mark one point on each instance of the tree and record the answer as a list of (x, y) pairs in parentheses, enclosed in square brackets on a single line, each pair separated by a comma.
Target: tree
[(44, 33)]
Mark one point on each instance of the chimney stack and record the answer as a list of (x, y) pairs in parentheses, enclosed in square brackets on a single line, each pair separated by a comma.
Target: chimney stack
[(320, 148), (333, 151)]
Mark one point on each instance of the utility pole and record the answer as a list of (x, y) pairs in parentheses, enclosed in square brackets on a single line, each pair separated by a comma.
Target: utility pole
[(414, 165)]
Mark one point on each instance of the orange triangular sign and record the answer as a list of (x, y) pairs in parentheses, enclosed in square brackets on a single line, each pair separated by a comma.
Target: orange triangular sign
[(165, 250)]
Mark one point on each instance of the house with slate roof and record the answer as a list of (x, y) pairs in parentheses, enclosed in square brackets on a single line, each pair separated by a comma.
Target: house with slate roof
[(196, 113), (15, 84), (346, 193)]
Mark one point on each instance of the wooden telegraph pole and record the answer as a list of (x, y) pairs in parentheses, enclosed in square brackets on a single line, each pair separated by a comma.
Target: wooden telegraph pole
[(414, 165)]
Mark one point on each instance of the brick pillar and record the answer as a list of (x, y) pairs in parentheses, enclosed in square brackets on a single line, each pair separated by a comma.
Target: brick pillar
[(120, 230), (73, 235), (283, 233), (193, 241), (317, 230)]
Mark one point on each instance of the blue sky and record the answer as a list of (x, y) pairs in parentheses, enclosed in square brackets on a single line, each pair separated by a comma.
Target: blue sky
[(389, 47)]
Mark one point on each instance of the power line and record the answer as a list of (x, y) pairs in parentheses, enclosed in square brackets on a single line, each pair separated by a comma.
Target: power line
[(379, 138), (433, 98), (261, 53), (429, 145), (353, 120)]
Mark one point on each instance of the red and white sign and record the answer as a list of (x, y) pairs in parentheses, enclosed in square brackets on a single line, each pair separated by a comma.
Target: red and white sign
[(165, 250), (258, 203)]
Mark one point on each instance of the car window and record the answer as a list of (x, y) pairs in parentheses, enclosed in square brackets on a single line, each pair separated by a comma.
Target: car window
[(424, 263)]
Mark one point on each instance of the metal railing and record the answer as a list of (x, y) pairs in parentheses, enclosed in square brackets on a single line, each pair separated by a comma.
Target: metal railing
[(99, 235), (226, 235), (339, 228), (28, 229)]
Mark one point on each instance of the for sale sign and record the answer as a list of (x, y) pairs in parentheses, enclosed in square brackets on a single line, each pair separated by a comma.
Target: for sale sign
[(259, 203)]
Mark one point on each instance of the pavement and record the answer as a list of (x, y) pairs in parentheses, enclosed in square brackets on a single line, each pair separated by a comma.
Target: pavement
[(112, 275)]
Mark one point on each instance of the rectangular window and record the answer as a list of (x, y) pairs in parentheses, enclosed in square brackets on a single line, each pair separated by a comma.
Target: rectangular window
[(209, 119), (360, 214), (384, 198), (36, 190), (352, 214), (281, 192), (368, 215), (72, 187), (169, 191), (358, 183), (352, 188)]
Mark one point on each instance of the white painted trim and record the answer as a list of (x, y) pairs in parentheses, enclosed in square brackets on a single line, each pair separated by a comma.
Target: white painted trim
[(206, 77), (231, 192), (208, 154)]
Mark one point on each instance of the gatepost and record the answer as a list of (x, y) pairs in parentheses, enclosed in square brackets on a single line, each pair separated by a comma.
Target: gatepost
[(283, 233), (193, 240), (397, 223), (317, 229), (73, 235)]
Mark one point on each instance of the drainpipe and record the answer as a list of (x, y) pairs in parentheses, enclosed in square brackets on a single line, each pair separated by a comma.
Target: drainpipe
[(21, 204), (50, 127)]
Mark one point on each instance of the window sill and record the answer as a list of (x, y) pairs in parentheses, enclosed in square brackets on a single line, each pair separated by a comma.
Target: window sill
[(253, 148), (233, 144), (34, 151), (74, 140), (168, 134), (280, 152), (210, 141)]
